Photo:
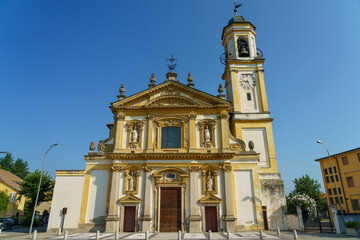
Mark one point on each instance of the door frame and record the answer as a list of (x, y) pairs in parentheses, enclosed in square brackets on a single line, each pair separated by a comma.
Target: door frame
[(122, 215), (204, 216), (158, 204)]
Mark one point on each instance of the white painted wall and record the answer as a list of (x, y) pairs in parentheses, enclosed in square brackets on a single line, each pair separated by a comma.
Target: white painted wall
[(97, 194), (67, 193), (245, 206), (258, 136)]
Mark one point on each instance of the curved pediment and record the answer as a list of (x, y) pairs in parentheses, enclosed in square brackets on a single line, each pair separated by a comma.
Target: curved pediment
[(171, 101)]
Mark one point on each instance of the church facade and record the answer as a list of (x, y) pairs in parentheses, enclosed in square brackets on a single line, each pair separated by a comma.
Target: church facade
[(178, 158)]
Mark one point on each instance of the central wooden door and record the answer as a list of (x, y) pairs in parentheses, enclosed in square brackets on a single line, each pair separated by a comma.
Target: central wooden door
[(170, 209), (129, 219), (211, 218)]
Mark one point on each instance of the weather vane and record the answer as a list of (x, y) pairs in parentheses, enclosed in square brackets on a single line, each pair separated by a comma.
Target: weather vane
[(173, 62), (236, 7)]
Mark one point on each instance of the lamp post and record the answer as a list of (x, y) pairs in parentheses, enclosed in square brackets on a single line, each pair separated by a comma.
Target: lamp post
[(37, 195), (333, 175)]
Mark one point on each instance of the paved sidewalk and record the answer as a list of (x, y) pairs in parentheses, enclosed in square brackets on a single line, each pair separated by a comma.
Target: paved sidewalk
[(173, 236)]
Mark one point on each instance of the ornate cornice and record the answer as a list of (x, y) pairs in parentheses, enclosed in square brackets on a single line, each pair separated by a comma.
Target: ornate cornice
[(166, 156), (194, 168)]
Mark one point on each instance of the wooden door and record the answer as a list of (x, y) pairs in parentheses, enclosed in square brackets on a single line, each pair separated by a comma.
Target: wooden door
[(129, 218), (211, 218), (170, 209), (266, 226)]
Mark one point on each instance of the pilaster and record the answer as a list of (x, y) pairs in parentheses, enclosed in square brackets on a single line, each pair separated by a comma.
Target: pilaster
[(195, 218), (150, 130), (192, 131), (112, 219), (119, 129), (229, 217), (224, 127), (146, 217)]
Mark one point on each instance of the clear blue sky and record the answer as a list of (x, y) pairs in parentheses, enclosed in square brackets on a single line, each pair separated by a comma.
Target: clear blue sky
[(62, 63)]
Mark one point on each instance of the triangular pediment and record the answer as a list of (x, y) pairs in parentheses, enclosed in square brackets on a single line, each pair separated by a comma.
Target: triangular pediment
[(210, 199), (170, 94), (130, 199)]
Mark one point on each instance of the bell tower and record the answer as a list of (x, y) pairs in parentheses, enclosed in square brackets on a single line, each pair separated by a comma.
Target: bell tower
[(245, 89)]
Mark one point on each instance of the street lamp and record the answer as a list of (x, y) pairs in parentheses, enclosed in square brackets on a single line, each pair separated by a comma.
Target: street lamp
[(333, 175), (37, 195)]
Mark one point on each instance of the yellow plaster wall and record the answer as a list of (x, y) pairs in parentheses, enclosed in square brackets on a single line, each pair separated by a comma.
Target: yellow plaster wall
[(17, 205)]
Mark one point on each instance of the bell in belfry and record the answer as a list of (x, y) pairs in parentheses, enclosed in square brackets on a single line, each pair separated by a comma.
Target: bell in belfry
[(243, 51)]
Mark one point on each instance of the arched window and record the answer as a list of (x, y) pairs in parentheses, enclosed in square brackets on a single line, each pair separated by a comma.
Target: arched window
[(171, 137)]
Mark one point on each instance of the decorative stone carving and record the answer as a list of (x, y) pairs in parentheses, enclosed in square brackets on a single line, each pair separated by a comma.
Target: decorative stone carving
[(170, 176), (147, 169), (194, 168), (251, 145), (226, 168), (131, 177), (92, 146), (209, 176), (101, 147), (134, 133), (116, 168), (207, 133), (209, 182), (224, 115), (168, 122)]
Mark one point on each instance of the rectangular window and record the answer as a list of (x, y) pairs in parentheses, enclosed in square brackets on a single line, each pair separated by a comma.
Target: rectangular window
[(334, 169), (248, 96), (330, 171), (345, 160), (341, 200), (358, 155), (12, 197), (327, 179), (171, 137), (329, 191), (332, 178), (331, 200), (350, 181), (339, 190), (334, 191), (337, 178), (355, 204), (325, 171)]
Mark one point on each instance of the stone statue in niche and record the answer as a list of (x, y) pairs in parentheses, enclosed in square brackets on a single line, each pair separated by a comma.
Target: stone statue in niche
[(207, 134), (210, 181), (134, 135), (131, 179)]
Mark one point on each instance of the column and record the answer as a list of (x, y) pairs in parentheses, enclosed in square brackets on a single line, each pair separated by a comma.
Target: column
[(149, 133), (192, 131), (146, 217), (112, 219), (229, 204), (224, 126), (194, 219), (119, 129)]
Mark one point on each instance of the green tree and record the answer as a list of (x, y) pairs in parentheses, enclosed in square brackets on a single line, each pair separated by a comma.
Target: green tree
[(310, 187), (30, 185), (7, 162), (4, 200), (20, 168)]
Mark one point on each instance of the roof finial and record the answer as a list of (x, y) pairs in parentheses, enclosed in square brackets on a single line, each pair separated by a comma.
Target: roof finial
[(122, 90), (152, 81), (190, 81), (236, 7), (221, 90)]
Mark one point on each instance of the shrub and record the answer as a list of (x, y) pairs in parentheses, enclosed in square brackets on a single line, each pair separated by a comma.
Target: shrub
[(27, 221), (306, 203), (353, 224)]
